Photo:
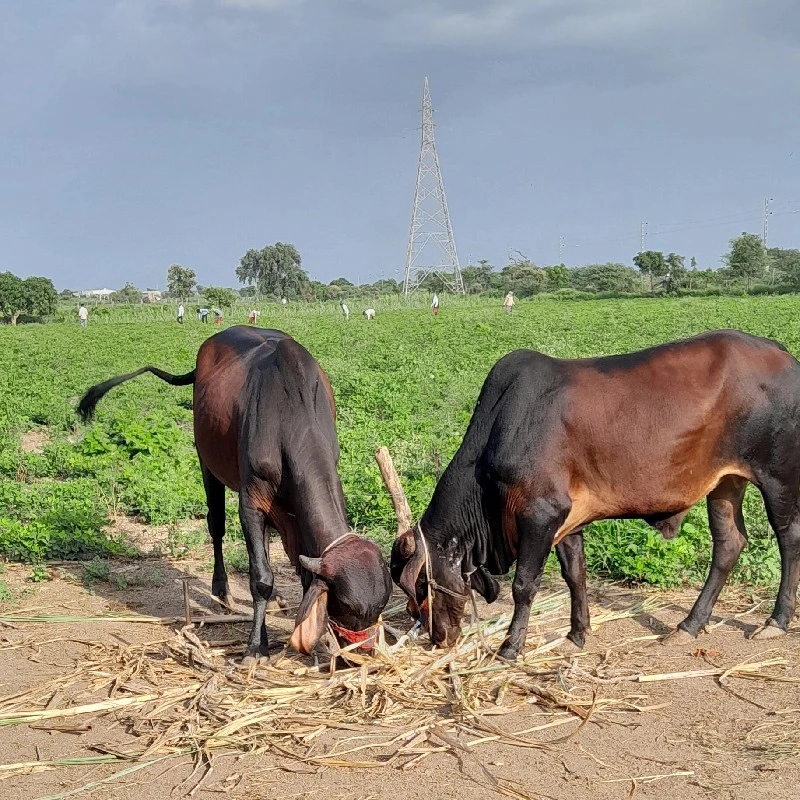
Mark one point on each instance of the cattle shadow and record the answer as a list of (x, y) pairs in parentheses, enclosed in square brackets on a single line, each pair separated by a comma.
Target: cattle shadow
[(618, 597), (155, 585)]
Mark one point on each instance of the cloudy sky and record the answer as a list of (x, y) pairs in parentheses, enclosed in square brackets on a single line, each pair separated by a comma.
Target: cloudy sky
[(139, 133)]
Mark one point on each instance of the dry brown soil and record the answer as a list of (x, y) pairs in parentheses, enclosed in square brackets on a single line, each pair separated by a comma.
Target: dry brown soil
[(738, 738)]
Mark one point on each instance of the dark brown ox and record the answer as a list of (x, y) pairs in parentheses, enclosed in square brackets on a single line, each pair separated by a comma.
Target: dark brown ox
[(555, 444), (264, 426)]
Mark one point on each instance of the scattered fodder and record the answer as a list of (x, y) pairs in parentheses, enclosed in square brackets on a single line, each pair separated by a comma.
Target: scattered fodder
[(179, 696)]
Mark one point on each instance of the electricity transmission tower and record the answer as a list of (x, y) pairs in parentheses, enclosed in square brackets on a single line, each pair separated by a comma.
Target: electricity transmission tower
[(431, 244)]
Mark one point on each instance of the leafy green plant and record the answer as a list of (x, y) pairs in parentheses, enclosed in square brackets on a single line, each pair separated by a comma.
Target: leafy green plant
[(39, 574), (100, 571)]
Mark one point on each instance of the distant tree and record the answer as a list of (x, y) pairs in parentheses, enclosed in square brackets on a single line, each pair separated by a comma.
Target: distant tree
[(35, 297), (275, 270), (676, 271), (40, 296), (247, 291), (180, 281), (343, 282), (12, 296), (557, 277), (652, 263), (127, 294), (318, 290), (477, 277), (219, 297), (693, 263), (747, 258), (784, 265), (333, 291), (66, 293), (523, 277), (604, 278)]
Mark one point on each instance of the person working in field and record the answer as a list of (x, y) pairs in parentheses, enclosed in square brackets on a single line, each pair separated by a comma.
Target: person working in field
[(345, 309), (83, 315), (202, 314), (180, 314), (218, 315), (508, 303), (435, 304), (253, 318)]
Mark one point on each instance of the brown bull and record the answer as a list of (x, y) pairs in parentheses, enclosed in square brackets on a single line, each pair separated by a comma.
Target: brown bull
[(555, 444), (264, 426)]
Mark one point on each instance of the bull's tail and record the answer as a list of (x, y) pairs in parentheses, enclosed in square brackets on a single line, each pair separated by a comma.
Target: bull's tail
[(89, 401)]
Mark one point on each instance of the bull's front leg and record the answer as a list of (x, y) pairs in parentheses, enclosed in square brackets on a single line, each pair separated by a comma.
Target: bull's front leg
[(254, 528), (535, 537)]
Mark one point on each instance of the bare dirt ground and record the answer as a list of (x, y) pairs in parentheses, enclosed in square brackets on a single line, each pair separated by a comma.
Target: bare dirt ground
[(694, 737)]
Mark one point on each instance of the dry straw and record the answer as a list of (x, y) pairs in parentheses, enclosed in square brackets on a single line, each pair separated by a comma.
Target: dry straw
[(178, 695)]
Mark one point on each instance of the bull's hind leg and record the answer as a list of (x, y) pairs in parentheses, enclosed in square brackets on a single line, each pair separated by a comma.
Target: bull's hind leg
[(729, 537), (254, 527), (572, 558), (215, 499), (784, 517), (535, 531)]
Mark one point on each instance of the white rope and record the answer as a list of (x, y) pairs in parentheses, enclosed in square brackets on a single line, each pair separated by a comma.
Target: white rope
[(428, 579), (337, 540)]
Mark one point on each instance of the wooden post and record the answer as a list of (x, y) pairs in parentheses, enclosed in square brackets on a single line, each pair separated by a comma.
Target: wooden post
[(395, 489), (187, 609)]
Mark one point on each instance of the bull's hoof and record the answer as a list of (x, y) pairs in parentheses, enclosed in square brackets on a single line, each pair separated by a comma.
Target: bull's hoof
[(508, 653), (253, 659), (277, 603), (569, 646), (770, 630), (576, 640), (220, 590), (678, 636)]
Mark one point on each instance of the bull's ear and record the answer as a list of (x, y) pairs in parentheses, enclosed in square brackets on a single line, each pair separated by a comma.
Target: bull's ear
[(312, 617), (485, 584), (402, 549), (408, 580)]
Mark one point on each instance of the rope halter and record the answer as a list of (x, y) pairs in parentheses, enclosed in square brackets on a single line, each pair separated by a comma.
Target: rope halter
[(367, 638)]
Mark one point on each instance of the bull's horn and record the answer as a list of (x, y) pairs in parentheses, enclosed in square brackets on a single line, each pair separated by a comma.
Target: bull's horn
[(311, 564), (407, 544)]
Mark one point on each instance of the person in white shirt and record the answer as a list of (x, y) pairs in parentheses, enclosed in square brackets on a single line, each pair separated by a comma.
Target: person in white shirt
[(435, 304), (180, 313), (508, 303), (83, 315), (369, 313)]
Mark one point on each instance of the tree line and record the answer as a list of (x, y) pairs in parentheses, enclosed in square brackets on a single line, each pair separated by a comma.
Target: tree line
[(275, 273)]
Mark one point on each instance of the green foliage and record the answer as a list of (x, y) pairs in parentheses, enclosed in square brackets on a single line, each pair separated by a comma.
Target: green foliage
[(652, 263), (6, 595), (127, 294), (100, 571), (219, 297), (39, 574), (408, 381), (747, 258), (40, 296), (33, 296), (12, 296), (180, 281), (275, 270), (613, 278)]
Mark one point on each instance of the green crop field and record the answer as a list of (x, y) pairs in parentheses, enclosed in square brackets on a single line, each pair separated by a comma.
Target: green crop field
[(406, 380)]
